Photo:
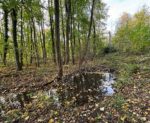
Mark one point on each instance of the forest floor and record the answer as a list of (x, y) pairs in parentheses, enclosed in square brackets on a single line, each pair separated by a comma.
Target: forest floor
[(129, 104)]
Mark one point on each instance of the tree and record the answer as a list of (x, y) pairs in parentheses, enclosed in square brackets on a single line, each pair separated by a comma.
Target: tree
[(68, 19), (77, 27), (133, 31), (22, 37), (50, 10), (57, 37), (87, 46), (5, 33), (14, 24)]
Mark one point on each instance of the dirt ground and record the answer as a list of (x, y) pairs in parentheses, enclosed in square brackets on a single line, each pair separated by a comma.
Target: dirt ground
[(130, 103)]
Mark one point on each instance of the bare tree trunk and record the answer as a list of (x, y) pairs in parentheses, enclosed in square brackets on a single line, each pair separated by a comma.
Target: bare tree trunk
[(87, 46), (74, 46), (1, 38), (35, 44), (72, 39), (31, 44), (43, 43), (79, 43), (27, 37), (5, 35), (14, 23), (41, 40), (57, 34), (22, 38), (52, 30), (94, 40), (68, 14), (63, 32)]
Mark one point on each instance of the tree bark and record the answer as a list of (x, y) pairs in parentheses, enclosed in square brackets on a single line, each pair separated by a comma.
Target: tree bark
[(5, 35), (72, 39), (14, 24), (57, 34), (22, 38), (68, 15), (79, 44), (52, 31), (41, 39), (35, 44), (94, 39), (63, 33), (31, 44), (43, 43)]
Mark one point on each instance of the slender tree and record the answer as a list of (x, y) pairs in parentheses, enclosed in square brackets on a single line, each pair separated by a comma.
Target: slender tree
[(87, 46), (63, 32), (50, 4), (94, 39), (5, 34), (57, 34), (35, 43), (22, 35), (68, 16), (43, 42), (16, 48)]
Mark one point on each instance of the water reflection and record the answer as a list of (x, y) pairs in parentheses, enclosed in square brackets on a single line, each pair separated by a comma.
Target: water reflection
[(87, 87), (107, 83)]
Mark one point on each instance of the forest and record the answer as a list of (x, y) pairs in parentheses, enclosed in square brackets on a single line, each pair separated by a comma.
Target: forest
[(59, 63)]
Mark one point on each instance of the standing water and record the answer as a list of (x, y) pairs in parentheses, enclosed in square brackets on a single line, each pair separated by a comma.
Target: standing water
[(107, 83), (80, 89)]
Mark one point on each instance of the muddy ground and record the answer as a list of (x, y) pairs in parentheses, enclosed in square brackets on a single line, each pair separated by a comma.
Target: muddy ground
[(130, 103)]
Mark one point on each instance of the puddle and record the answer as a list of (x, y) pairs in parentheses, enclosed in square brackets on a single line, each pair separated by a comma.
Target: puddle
[(107, 83), (81, 89), (88, 87)]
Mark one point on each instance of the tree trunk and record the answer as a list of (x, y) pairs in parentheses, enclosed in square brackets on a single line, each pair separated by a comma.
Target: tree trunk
[(31, 44), (22, 38), (63, 32), (68, 14), (41, 39), (27, 38), (52, 31), (87, 46), (5, 35), (35, 44), (14, 24), (79, 44), (94, 40), (57, 34), (72, 39), (43, 43)]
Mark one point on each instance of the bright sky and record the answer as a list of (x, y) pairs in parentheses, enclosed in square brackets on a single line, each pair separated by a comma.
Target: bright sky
[(117, 7)]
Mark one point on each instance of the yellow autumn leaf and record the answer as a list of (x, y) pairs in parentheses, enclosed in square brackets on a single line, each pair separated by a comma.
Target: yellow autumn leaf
[(51, 121), (40, 105), (26, 118), (123, 118), (125, 106), (55, 113)]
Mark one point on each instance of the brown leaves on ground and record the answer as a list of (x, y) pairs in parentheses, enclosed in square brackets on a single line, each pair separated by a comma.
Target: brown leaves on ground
[(131, 104)]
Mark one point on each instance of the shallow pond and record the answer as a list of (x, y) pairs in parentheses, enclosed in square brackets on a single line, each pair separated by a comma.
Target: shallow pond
[(88, 87), (81, 88)]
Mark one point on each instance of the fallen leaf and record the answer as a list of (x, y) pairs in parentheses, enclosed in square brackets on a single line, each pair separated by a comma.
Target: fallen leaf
[(102, 109), (123, 118), (26, 118), (51, 121)]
